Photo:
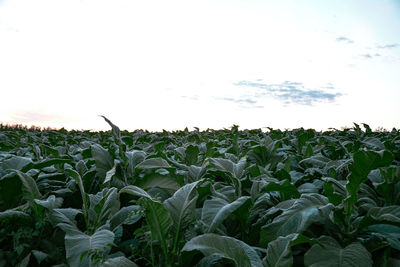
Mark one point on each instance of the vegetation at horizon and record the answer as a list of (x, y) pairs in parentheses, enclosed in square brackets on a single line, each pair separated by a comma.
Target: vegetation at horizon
[(225, 197)]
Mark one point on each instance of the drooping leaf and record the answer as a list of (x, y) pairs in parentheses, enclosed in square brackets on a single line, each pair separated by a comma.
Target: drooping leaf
[(228, 247), (332, 254), (15, 163), (153, 163), (14, 215), (135, 191), (50, 203), (216, 210), (165, 182), (126, 215), (119, 262), (309, 209)]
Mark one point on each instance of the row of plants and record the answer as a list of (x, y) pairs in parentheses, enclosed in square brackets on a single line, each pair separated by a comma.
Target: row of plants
[(199, 198)]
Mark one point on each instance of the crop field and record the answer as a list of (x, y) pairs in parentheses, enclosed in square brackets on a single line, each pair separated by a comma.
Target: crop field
[(200, 198)]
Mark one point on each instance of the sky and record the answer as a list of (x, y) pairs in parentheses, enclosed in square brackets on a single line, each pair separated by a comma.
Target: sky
[(210, 64)]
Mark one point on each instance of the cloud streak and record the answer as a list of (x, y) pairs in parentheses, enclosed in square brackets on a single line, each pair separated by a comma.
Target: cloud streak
[(388, 46), (342, 39), (292, 92)]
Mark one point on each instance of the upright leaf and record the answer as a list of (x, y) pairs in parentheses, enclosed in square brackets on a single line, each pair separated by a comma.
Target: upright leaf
[(77, 246)]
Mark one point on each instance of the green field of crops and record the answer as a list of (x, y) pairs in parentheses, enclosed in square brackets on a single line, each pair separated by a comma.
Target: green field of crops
[(200, 198)]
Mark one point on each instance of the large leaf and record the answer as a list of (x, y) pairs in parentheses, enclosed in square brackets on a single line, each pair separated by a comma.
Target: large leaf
[(50, 203), (309, 209), (236, 169), (135, 191), (182, 208), (228, 247), (85, 199), (103, 206), (14, 215), (381, 215), (216, 210), (153, 163), (332, 254), (65, 219), (133, 158), (165, 182), (103, 159), (126, 215), (160, 221), (15, 163), (279, 253), (29, 187), (119, 262), (79, 243), (318, 161)]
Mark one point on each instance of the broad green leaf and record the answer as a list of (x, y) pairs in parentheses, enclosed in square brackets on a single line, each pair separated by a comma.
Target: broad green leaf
[(182, 208), (39, 255), (153, 163), (390, 232), (332, 254), (228, 247), (279, 252), (50, 203), (79, 243), (103, 159), (78, 180), (335, 190), (119, 262), (126, 215), (216, 210), (381, 215), (14, 215), (110, 173), (65, 219), (309, 209), (25, 261), (133, 158), (182, 205), (164, 182), (236, 169), (160, 221), (29, 187), (192, 154), (284, 187), (15, 163), (135, 191), (374, 143), (315, 161), (103, 206)]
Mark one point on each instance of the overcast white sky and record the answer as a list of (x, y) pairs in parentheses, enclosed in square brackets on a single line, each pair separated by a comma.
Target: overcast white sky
[(174, 64)]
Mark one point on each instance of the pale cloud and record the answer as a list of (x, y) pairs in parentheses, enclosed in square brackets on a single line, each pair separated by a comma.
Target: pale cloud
[(388, 46), (344, 40), (292, 92)]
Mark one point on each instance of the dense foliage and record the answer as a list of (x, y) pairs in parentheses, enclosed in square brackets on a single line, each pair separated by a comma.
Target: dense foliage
[(189, 198)]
